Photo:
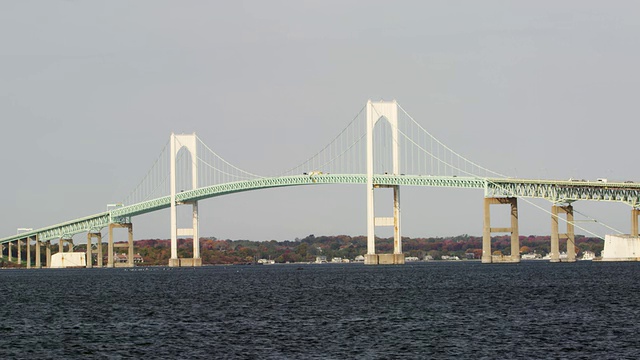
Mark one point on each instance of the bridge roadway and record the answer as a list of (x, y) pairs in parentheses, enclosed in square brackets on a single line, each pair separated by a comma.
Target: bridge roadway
[(554, 191)]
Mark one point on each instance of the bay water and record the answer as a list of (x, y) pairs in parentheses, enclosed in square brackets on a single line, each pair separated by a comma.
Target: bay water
[(422, 310)]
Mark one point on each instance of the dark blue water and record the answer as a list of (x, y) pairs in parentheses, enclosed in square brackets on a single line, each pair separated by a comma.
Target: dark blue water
[(531, 310)]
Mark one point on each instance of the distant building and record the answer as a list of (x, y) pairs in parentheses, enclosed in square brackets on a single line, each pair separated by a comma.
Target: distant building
[(123, 258), (411, 258), (588, 255), (321, 259), (530, 256), (359, 258), (120, 258), (138, 259)]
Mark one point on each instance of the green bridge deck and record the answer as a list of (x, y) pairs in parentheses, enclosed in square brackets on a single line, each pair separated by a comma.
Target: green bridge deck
[(554, 191)]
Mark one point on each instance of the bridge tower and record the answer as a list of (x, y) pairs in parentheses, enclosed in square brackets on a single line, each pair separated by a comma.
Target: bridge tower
[(376, 111), (187, 141)]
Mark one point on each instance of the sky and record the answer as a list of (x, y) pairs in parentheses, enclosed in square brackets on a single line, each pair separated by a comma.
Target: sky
[(90, 92)]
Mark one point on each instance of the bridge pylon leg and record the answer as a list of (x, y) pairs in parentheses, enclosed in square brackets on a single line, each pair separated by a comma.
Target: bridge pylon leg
[(110, 249), (193, 232), (487, 255), (9, 251), (371, 258), (19, 243)]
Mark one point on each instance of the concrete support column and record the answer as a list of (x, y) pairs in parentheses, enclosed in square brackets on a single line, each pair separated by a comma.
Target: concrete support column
[(515, 233), (634, 221), (100, 254), (28, 253), (555, 242), (571, 238), (48, 251), (487, 230), (9, 251), (20, 252), (38, 255), (65, 242), (130, 242), (110, 263), (89, 252)]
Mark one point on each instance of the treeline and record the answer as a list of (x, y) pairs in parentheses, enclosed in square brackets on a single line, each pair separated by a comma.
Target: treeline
[(215, 251)]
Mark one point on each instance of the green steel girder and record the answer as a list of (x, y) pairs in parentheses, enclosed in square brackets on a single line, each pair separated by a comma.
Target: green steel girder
[(65, 229), (124, 213), (554, 191), (565, 191), (296, 180)]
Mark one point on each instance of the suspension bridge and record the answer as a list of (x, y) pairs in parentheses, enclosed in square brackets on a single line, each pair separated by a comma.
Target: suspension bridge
[(382, 147)]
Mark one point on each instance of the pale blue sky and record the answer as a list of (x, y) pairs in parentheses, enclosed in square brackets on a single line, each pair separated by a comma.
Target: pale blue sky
[(91, 90)]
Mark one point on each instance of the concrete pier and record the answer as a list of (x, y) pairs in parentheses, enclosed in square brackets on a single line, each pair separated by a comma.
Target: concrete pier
[(112, 246), (487, 256), (621, 248), (556, 236), (90, 250)]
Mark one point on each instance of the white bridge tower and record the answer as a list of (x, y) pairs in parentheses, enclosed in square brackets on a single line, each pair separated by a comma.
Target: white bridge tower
[(376, 111), (187, 141)]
